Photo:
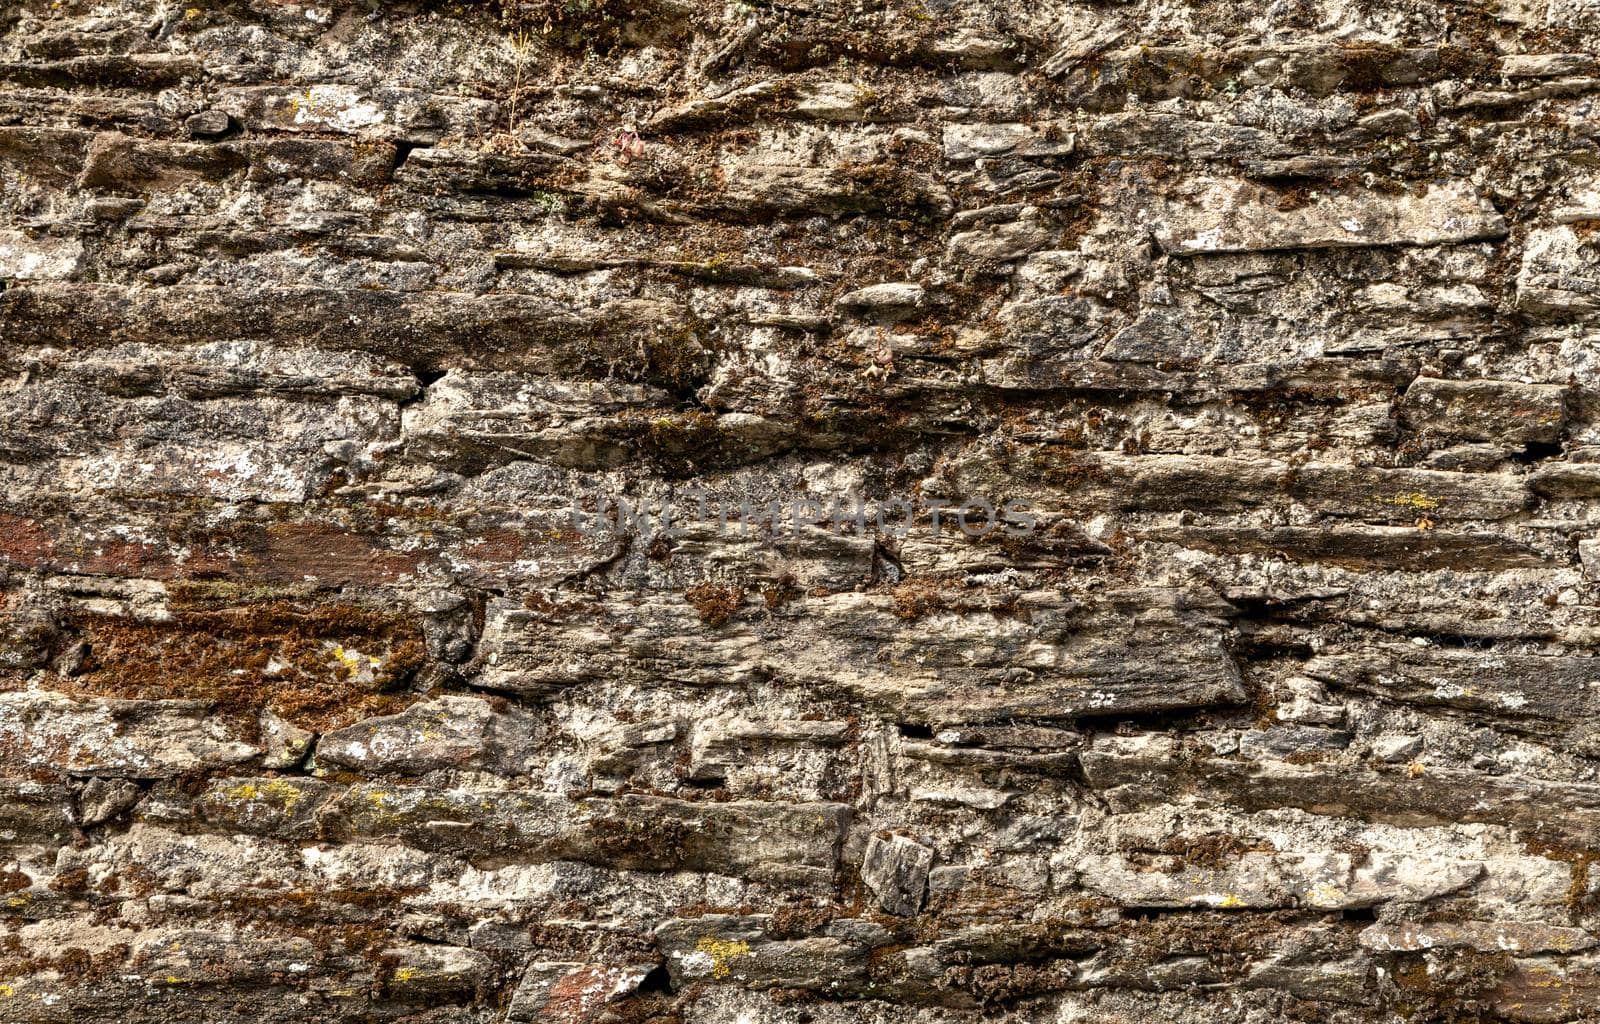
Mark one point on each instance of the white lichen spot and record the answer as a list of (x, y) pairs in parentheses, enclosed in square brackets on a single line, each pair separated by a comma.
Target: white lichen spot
[(1205, 241)]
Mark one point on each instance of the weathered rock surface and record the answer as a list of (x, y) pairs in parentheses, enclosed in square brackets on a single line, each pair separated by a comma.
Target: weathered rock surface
[(352, 357), (896, 870), (1235, 218)]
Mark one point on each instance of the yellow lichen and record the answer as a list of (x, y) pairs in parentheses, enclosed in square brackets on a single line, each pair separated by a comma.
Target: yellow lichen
[(722, 953), (1413, 499), (353, 659), (287, 792)]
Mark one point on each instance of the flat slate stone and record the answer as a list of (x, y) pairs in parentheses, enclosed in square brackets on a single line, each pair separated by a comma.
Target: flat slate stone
[(1232, 217)]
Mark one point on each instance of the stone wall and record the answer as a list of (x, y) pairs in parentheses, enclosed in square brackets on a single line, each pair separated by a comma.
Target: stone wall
[(1273, 700)]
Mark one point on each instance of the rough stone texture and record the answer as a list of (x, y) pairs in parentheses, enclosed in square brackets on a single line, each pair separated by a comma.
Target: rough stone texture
[(1282, 320), (896, 870)]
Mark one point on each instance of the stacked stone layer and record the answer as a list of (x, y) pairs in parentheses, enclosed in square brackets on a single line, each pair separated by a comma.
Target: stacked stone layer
[(1282, 321)]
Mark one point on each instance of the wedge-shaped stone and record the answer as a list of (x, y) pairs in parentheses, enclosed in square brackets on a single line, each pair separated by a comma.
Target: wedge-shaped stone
[(896, 870), (1560, 276), (1547, 990), (964, 143), (1318, 375), (32, 812), (61, 418), (202, 866), (828, 101), (1359, 547), (1379, 494), (466, 169), (748, 192), (1149, 134), (1486, 936), (1049, 658), (494, 418), (721, 744), (891, 297), (102, 70), (1048, 762), (568, 992), (1001, 241), (30, 257), (432, 973), (259, 448), (454, 820), (725, 949), (1143, 771), (283, 807), (1196, 483), (405, 326), (50, 732), (50, 155), (232, 368), (765, 190), (222, 954), (756, 274), (1566, 480), (708, 112), (445, 732), (1501, 411), (1231, 216), (1308, 959), (121, 162), (789, 843), (1547, 694), (346, 110), (794, 844), (1547, 65), (1261, 881)]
